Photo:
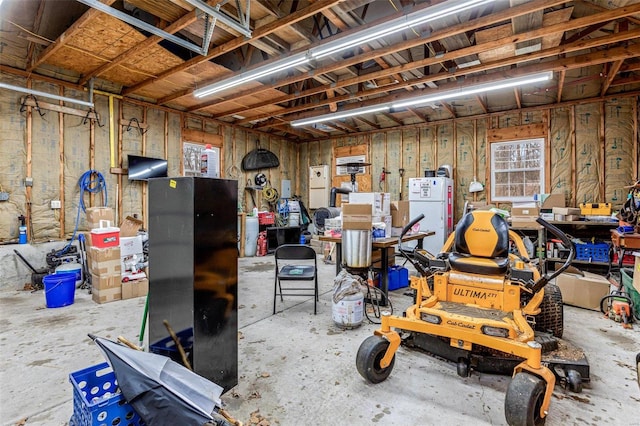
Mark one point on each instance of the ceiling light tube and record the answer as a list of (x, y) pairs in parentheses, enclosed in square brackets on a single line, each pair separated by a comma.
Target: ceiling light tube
[(44, 94), (393, 26), (475, 89), (248, 76), (339, 115), (429, 99)]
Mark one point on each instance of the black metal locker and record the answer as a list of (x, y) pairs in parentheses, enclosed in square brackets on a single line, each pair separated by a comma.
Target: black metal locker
[(193, 273)]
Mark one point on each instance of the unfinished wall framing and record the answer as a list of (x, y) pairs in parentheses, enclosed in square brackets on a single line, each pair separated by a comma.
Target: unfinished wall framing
[(57, 148)]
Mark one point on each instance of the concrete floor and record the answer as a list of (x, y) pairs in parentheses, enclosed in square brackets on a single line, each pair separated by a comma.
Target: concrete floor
[(297, 368)]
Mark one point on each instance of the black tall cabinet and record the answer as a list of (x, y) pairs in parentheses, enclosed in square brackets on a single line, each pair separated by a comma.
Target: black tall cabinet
[(193, 273)]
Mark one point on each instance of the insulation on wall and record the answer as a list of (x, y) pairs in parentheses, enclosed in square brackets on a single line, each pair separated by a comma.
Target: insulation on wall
[(394, 163), (561, 153), (12, 173), (445, 141), (619, 142), (410, 158), (465, 158), (587, 153), (131, 144), (427, 149), (481, 160)]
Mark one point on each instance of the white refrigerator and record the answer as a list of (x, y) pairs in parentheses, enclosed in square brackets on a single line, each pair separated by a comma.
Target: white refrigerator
[(433, 197)]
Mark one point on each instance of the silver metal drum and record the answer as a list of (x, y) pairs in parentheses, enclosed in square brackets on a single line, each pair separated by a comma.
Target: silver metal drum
[(356, 248)]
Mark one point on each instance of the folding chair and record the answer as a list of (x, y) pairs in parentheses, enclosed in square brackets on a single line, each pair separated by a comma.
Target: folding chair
[(297, 271)]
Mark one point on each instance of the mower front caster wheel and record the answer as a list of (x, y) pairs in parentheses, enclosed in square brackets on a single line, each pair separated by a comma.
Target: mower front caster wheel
[(574, 379), (524, 399), (368, 359)]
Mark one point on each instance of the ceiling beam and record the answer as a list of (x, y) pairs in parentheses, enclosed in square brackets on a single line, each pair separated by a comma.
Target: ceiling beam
[(574, 62), (238, 42), (483, 105), (61, 41), (367, 122), (610, 75), (455, 54), (36, 29), (577, 46), (516, 92), (436, 35), (561, 76)]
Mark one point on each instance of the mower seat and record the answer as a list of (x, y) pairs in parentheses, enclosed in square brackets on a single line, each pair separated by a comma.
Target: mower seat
[(481, 244)]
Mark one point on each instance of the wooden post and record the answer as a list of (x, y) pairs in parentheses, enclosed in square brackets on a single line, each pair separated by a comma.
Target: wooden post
[(602, 171), (475, 156), (574, 158), (547, 150), (119, 162), (145, 185), (29, 164), (635, 153), (61, 166)]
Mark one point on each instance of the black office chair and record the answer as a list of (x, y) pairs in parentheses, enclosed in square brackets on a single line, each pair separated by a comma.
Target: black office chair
[(295, 272)]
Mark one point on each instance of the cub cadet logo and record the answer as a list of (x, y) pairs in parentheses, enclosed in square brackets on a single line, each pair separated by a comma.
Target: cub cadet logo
[(474, 294), (461, 324), (481, 230)]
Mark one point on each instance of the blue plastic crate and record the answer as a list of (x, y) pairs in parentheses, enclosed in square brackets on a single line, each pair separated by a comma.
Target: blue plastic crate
[(592, 252), (168, 348), (97, 400)]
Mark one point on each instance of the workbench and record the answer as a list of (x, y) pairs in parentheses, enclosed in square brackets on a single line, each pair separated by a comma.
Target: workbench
[(381, 244)]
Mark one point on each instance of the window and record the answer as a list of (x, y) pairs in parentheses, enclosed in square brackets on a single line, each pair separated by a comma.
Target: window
[(517, 170)]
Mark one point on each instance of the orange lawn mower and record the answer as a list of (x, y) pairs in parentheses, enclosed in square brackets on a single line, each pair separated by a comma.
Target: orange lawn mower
[(482, 304)]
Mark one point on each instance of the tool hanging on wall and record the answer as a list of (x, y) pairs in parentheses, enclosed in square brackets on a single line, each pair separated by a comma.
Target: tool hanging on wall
[(401, 172), (383, 176), (141, 131), (23, 105)]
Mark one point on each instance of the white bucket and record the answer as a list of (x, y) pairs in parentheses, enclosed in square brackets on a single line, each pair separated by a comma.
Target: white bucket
[(348, 312), (74, 267), (294, 219), (251, 236)]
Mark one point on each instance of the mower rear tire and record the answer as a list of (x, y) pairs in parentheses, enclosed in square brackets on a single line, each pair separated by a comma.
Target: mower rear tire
[(368, 359), (523, 400), (551, 316)]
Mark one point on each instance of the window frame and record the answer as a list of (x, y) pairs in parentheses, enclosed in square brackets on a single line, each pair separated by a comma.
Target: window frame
[(540, 169)]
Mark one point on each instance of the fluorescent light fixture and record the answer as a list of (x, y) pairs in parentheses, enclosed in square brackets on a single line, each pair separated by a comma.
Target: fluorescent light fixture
[(248, 76), (339, 115), (44, 94), (393, 26), (430, 99), (373, 33), (472, 90)]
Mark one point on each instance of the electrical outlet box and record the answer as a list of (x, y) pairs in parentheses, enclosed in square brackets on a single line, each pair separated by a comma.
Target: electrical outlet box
[(28, 181), (56, 204)]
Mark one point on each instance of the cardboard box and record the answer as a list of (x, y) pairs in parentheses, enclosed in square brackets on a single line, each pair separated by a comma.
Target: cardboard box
[(525, 211), (400, 213), (96, 214), (105, 268), (130, 227), (380, 201), (356, 216), (583, 291), (546, 215), (106, 295), (549, 201), (104, 254), (137, 288), (105, 282), (566, 211)]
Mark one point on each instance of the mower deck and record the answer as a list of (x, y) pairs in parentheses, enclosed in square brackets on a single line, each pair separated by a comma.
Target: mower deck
[(558, 355)]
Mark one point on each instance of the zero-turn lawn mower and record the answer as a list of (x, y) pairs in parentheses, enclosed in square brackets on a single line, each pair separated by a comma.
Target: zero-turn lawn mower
[(482, 304)]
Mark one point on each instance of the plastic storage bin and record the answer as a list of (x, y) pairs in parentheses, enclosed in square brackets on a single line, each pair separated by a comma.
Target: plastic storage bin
[(97, 399), (592, 252), (168, 348)]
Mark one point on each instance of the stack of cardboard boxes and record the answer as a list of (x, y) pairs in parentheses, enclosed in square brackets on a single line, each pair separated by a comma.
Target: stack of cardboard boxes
[(380, 203), (110, 255)]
